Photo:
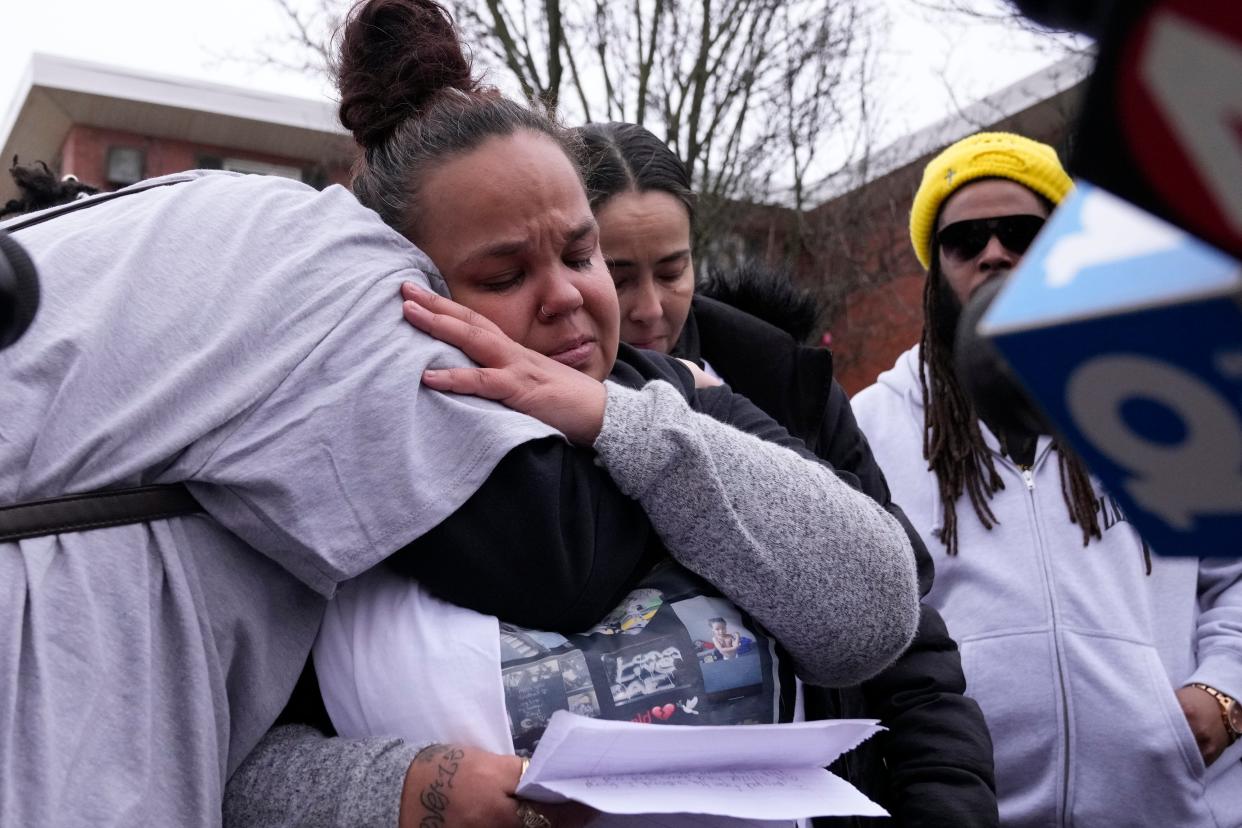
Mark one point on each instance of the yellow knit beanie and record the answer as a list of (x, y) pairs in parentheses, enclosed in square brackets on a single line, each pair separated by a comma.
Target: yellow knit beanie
[(983, 155)]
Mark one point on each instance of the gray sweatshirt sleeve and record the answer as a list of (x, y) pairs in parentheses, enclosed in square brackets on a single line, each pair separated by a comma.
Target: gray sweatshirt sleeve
[(822, 566), (296, 776)]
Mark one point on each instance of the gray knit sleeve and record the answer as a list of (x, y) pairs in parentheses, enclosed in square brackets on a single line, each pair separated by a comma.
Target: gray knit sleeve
[(822, 566), (296, 776)]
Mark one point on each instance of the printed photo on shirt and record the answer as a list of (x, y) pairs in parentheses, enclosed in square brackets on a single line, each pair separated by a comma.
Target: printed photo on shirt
[(534, 691), (633, 614), (655, 666), (647, 662), (518, 643), (584, 704), (727, 652)]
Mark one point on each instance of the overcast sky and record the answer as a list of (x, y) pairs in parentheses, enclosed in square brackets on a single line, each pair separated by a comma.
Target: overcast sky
[(186, 37)]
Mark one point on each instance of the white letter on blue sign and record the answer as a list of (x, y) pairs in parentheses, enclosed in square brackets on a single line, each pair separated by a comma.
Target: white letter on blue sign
[(1112, 231), (1200, 475)]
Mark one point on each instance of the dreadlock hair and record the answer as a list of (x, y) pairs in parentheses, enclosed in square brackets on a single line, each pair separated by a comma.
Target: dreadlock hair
[(40, 188), (952, 441)]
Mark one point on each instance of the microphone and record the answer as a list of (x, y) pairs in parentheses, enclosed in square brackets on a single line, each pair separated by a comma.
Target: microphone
[(998, 397), (1087, 16), (1124, 318), (19, 290), (1128, 331)]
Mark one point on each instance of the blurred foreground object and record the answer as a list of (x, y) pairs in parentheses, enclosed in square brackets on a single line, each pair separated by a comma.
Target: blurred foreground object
[(1162, 123), (19, 291), (1128, 333), (998, 397), (1126, 330), (1086, 16)]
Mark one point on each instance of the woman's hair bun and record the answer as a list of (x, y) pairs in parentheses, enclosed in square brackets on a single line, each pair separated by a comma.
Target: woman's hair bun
[(395, 57)]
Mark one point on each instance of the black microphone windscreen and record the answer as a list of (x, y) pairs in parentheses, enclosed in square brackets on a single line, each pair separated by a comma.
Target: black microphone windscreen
[(998, 398), (1089, 17), (19, 290)]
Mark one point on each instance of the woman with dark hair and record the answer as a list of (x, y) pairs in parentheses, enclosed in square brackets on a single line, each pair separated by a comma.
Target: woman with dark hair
[(660, 510), (933, 766)]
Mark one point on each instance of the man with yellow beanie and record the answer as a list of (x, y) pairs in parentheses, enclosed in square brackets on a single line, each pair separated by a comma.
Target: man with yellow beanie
[(1103, 671)]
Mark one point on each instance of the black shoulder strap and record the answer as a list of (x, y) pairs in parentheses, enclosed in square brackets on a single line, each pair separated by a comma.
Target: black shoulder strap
[(95, 510)]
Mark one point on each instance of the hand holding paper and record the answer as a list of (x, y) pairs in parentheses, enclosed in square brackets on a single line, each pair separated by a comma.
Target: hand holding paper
[(748, 773)]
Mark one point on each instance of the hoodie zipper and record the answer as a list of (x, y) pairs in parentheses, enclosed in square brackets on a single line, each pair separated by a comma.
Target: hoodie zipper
[(1028, 476)]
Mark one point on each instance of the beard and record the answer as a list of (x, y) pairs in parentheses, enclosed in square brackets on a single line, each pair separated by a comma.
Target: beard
[(946, 314)]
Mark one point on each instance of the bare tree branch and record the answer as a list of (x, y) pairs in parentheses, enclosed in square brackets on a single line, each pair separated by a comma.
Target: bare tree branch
[(646, 58), (746, 92), (517, 58), (576, 77), (552, 11), (304, 48)]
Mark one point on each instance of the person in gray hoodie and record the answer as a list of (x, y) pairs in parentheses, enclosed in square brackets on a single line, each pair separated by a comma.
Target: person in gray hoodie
[(1107, 675)]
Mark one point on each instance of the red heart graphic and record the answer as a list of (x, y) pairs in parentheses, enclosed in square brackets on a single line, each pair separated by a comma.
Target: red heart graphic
[(664, 712)]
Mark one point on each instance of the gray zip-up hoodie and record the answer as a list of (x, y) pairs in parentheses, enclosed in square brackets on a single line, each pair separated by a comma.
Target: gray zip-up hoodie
[(1073, 653)]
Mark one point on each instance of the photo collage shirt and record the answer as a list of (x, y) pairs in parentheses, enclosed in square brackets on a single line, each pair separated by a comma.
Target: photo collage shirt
[(674, 652)]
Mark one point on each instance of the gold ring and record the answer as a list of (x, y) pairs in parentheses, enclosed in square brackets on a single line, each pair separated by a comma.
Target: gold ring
[(525, 767), (531, 818)]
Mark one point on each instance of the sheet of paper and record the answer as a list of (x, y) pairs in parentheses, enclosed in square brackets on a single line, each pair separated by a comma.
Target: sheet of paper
[(683, 821), (781, 793), (757, 772)]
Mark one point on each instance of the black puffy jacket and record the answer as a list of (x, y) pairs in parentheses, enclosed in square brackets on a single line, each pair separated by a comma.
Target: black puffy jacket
[(933, 767)]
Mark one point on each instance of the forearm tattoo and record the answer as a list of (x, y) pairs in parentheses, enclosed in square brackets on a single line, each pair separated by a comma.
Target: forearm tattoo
[(435, 797)]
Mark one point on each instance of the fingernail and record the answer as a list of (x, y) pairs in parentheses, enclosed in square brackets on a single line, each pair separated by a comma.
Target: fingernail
[(413, 308), (411, 289)]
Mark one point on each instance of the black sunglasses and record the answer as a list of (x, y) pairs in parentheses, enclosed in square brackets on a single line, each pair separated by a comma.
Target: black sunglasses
[(963, 240)]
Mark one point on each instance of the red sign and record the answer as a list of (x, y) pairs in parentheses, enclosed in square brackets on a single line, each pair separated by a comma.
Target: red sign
[(1180, 105)]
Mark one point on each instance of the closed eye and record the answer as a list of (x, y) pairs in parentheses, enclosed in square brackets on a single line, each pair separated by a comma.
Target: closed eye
[(671, 275), (503, 283), (580, 252)]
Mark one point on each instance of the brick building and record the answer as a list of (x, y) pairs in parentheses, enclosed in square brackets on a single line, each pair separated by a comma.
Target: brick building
[(856, 256), (113, 126)]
